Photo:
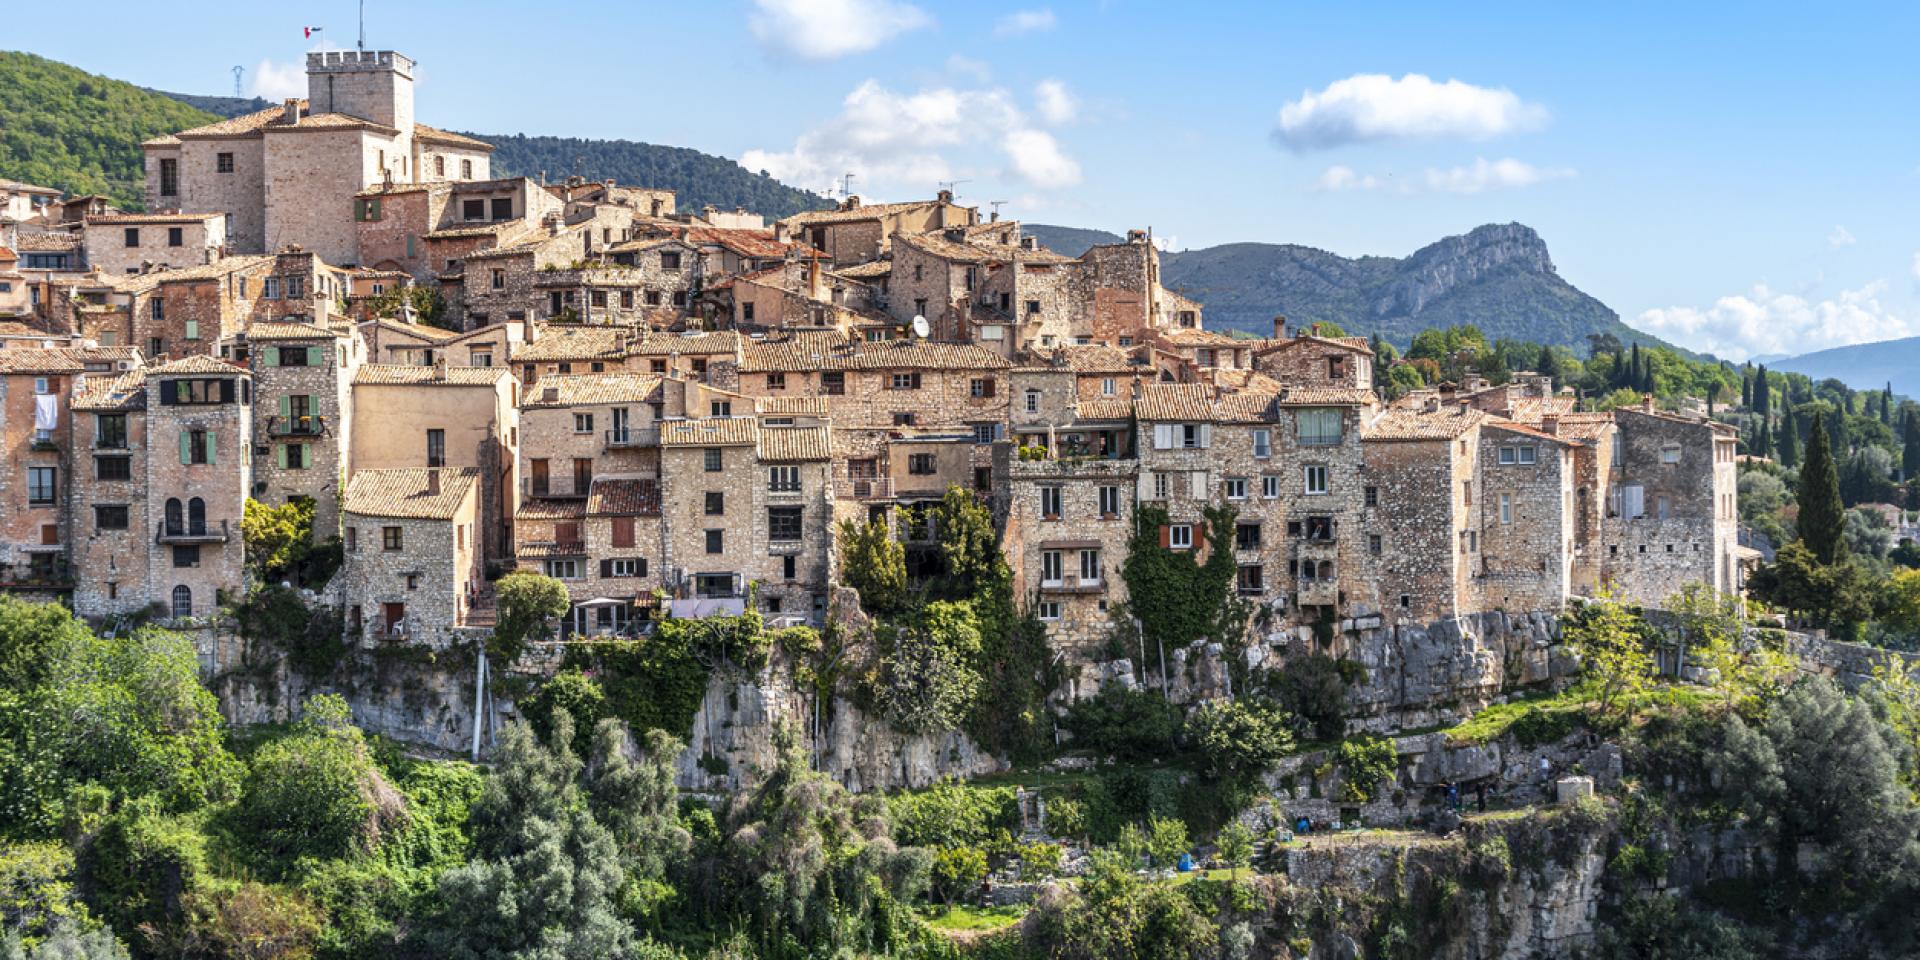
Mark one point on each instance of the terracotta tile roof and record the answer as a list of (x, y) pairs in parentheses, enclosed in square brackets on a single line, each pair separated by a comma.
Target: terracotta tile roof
[(1245, 408), (1355, 344), (94, 355), (402, 493), (866, 211), (16, 186), (1397, 425), (1533, 409), (792, 406), (274, 330), (1247, 380), (7, 255), (661, 344), (467, 231), (1098, 358), (830, 351), (109, 393), (1326, 397), (759, 244), (1205, 338), (436, 135), (1175, 401), (199, 363), (139, 218), (1104, 409), (937, 245), (56, 242), (425, 332), (871, 270), (314, 122), (709, 432), (144, 282), (16, 328), (253, 124), (618, 497), (795, 443), (394, 374), (556, 342), (541, 509), (1527, 431), (38, 361), (573, 391)]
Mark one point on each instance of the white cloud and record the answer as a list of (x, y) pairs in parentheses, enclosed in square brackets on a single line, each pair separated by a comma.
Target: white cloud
[(963, 66), (1763, 321), (1486, 175), (1056, 102), (278, 81), (1840, 237), (902, 141), (1025, 21), (1481, 176), (1373, 106), (829, 29)]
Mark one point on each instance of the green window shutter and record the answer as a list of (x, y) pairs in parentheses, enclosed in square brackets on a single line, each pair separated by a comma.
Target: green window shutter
[(211, 458), (281, 452), (269, 356), (186, 446), (409, 244), (286, 407), (314, 357), (182, 391), (193, 329)]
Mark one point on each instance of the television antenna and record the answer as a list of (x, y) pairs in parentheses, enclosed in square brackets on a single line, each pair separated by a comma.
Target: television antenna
[(363, 26), (996, 205), (237, 71), (948, 185), (846, 184)]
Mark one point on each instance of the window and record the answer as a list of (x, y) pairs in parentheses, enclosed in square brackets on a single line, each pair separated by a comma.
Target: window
[(296, 456), (1263, 443), (1109, 501), (1318, 427), (176, 237), (466, 169), (905, 381), (1047, 610), (40, 482), (270, 288), (1160, 486), (1236, 488), (789, 569), (1194, 436), (132, 235), (296, 287), (436, 448), (223, 163), (720, 408), (905, 419), (353, 540), (563, 569), (1670, 453), (1106, 386), (624, 567), (1089, 567), (716, 503), (182, 594), (1517, 455), (169, 178), (833, 383), (1180, 536), (669, 260), (783, 524), (113, 468), (920, 306), (502, 208), (1050, 502), (1373, 544), (473, 210), (1372, 496), (1246, 536), (1051, 571), (1252, 578), (1033, 308), (1316, 478), (986, 432), (1506, 508), (980, 387), (390, 538), (714, 459), (783, 479), (583, 423), (186, 555), (1033, 401), (679, 298), (110, 517), (1270, 486), (597, 297), (1466, 493), (716, 541)]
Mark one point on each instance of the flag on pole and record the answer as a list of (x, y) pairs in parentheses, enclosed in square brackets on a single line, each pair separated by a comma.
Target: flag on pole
[(312, 30)]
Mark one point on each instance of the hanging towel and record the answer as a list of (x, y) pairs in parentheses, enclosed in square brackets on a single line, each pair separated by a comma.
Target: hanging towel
[(46, 412)]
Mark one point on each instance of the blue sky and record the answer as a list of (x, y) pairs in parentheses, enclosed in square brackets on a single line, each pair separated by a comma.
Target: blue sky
[(1739, 178)]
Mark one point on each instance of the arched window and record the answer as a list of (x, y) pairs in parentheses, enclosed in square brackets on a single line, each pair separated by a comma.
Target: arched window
[(196, 516), (182, 602), (174, 524)]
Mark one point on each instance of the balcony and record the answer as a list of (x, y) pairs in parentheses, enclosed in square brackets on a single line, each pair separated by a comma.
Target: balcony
[(190, 533), (1073, 585), (867, 488), (395, 632), (633, 437), (308, 426), (1067, 467), (556, 488), (118, 442)]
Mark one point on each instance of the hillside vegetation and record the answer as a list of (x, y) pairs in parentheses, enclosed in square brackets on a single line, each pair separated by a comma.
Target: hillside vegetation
[(63, 127), (696, 178)]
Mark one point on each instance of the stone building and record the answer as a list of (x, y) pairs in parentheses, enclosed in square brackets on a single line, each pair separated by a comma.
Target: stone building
[(199, 424), (110, 506), (174, 313), (413, 571), (707, 484), (443, 417), (36, 505), (303, 376), (857, 232), (1422, 533), (132, 242), (1671, 509)]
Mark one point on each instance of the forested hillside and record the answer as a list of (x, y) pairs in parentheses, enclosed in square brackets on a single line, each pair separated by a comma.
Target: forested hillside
[(697, 178), (63, 127)]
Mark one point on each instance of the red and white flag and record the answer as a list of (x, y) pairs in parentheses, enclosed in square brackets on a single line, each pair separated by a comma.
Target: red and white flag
[(311, 31)]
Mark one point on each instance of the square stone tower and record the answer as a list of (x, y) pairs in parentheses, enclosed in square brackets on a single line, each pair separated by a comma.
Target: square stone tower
[(373, 85)]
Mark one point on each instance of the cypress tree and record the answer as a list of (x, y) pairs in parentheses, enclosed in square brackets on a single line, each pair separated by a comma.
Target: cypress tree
[(1765, 445), (1762, 395), (1789, 438), (1837, 438), (1746, 390), (1910, 455), (1822, 514), (1633, 369), (1886, 404)]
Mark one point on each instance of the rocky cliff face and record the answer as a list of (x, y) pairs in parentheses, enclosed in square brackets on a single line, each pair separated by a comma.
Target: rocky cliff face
[(1440, 268)]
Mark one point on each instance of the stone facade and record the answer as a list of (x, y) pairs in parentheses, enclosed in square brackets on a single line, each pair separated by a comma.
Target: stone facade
[(199, 475), (413, 570), (303, 383), (127, 243)]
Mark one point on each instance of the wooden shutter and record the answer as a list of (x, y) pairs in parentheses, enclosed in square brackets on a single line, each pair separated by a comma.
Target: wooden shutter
[(1206, 435), (270, 356), (623, 531), (186, 446), (280, 452), (286, 407), (212, 456), (226, 391), (1163, 436), (606, 568), (314, 356), (1166, 535)]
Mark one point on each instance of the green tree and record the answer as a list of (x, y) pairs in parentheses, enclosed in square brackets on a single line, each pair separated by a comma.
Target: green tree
[(427, 305), (1364, 762), (529, 606), (957, 872), (927, 681), (1612, 645), (1236, 846), (572, 690), (1239, 738), (317, 792), (1909, 445), (1789, 439), (1833, 594), (874, 563), (969, 545), (277, 538), (1166, 841), (1821, 524), (65, 942), (639, 804)]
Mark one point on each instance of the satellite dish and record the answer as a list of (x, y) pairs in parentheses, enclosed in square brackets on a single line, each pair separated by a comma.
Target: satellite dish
[(920, 327)]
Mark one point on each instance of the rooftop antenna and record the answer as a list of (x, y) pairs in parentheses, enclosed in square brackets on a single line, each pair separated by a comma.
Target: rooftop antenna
[(363, 26), (237, 71), (948, 185), (846, 184), (996, 205)]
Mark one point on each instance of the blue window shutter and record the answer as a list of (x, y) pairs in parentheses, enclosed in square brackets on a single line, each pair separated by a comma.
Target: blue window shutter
[(186, 446), (314, 357)]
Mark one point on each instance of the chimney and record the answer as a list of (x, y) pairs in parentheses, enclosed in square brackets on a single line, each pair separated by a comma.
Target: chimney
[(1646, 403), (553, 224), (946, 196), (1279, 327), (440, 369), (290, 111), (1027, 243), (550, 395), (850, 203), (993, 217), (433, 483), (1550, 423), (528, 331)]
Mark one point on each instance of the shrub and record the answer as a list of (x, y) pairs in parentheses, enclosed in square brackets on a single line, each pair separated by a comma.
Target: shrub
[(574, 691), (952, 814), (317, 794), (957, 872), (1239, 738), (1128, 725), (1363, 763), (1313, 689)]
